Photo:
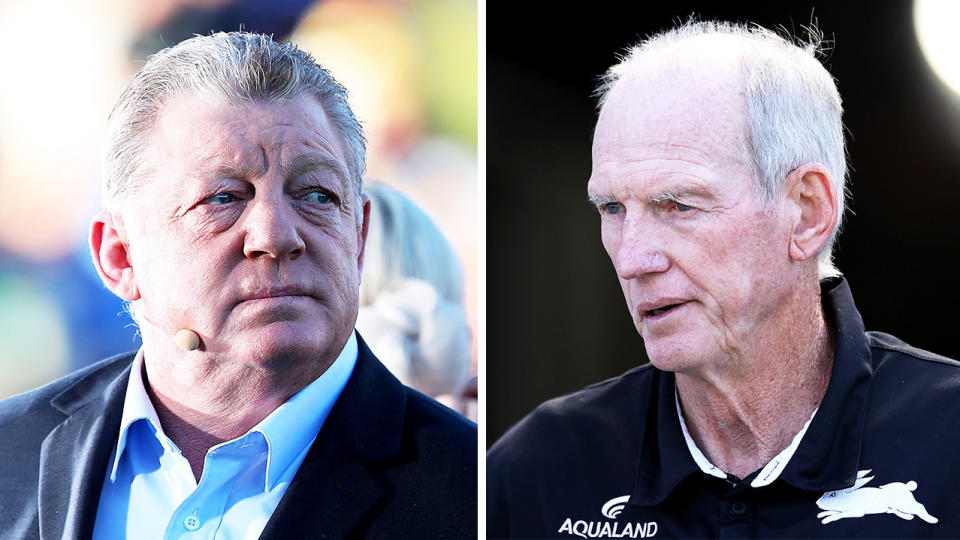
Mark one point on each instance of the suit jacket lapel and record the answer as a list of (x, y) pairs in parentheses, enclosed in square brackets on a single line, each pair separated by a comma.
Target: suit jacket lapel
[(74, 456), (337, 484)]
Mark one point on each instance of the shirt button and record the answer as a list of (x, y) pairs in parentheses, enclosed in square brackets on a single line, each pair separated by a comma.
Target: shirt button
[(192, 523), (738, 508)]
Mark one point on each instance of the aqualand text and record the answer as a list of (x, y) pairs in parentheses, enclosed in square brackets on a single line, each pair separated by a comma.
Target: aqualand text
[(606, 529)]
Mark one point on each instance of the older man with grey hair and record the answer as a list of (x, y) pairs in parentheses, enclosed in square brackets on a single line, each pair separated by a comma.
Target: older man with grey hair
[(766, 410), (234, 226)]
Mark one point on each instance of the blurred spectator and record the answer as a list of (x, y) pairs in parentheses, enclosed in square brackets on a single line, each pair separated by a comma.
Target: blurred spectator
[(411, 67), (411, 298)]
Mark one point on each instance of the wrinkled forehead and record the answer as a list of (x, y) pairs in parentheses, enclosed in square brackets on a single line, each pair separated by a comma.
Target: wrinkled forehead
[(200, 120), (204, 134), (690, 97)]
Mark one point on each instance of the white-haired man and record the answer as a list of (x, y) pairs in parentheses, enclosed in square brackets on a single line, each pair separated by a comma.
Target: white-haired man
[(234, 225), (766, 410)]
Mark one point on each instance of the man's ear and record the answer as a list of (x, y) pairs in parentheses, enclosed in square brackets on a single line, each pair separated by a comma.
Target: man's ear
[(362, 230), (812, 191), (108, 246)]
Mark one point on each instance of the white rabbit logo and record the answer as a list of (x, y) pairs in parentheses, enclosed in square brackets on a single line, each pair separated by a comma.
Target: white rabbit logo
[(895, 498)]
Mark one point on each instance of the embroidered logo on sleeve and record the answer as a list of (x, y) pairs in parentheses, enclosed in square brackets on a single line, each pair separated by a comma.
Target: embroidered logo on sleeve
[(857, 501)]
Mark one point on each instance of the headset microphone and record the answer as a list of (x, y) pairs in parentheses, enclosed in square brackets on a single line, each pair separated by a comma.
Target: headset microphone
[(188, 340), (185, 338)]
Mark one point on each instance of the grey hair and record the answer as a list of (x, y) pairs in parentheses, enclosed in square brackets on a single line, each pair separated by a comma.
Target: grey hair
[(242, 67), (793, 103), (411, 296), (404, 243)]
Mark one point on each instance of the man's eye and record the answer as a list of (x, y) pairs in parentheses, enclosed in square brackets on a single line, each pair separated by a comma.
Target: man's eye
[(220, 198), (321, 197), (611, 208), (683, 207)]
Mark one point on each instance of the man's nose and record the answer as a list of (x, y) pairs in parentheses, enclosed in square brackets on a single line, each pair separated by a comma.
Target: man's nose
[(271, 230), (640, 250)]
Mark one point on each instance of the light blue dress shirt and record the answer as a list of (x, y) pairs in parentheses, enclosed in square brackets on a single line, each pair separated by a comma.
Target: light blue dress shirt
[(150, 491)]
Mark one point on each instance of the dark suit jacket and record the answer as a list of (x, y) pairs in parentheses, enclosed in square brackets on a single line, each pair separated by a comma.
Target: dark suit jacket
[(387, 463)]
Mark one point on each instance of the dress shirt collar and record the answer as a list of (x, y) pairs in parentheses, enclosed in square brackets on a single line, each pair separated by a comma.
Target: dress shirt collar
[(136, 406), (288, 430), (292, 427)]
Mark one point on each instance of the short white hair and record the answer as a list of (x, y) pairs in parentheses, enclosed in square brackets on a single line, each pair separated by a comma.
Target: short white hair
[(793, 103), (240, 66)]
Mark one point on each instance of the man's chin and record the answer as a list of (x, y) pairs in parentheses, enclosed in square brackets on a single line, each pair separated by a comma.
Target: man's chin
[(284, 342), (673, 353)]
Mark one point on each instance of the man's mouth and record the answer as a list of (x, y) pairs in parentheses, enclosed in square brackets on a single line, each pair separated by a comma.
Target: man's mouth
[(273, 293), (661, 310)]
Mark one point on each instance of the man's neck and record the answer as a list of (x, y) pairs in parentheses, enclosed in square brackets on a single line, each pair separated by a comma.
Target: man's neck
[(204, 402), (196, 422), (741, 421)]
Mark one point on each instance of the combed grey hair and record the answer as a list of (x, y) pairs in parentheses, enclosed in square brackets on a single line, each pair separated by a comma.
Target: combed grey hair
[(242, 67), (792, 100)]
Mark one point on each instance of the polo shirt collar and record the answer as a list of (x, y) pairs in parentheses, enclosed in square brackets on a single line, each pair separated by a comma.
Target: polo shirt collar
[(827, 456), (770, 472), (289, 430), (664, 461)]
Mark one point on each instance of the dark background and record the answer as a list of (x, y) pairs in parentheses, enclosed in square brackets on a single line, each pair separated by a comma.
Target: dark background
[(556, 320)]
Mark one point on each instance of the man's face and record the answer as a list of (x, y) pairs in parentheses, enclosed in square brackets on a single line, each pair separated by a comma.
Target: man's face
[(702, 264), (247, 229)]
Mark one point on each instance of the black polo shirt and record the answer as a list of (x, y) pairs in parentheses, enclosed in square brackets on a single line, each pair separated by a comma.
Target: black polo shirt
[(610, 461)]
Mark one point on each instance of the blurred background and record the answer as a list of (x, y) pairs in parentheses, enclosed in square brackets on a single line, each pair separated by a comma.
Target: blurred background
[(411, 69), (556, 319)]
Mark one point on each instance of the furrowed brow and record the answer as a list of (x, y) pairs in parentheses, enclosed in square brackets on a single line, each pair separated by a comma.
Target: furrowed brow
[(669, 195), (310, 162), (677, 194), (600, 200), (219, 171)]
